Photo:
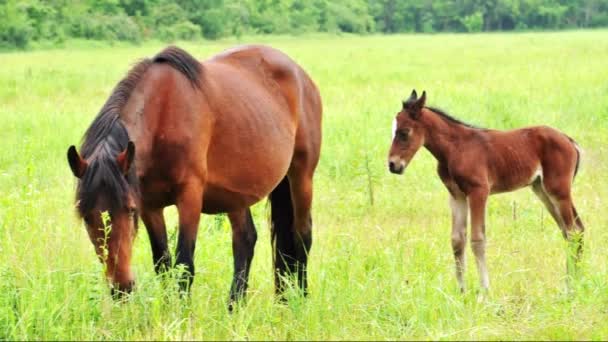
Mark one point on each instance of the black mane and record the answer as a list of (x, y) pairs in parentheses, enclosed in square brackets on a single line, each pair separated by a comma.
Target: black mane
[(107, 135), (182, 61), (450, 118)]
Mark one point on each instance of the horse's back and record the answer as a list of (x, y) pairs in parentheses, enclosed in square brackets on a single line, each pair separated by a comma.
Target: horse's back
[(237, 128), (265, 109)]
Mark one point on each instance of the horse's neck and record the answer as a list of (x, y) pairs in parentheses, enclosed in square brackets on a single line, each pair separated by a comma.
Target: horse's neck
[(442, 136)]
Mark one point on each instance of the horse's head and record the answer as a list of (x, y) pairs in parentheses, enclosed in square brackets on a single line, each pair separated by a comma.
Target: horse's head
[(408, 134), (106, 184)]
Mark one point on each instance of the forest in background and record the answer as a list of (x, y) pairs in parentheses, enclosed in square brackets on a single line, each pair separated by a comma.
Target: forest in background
[(26, 21)]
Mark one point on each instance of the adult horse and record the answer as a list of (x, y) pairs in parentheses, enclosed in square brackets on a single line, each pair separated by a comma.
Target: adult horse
[(474, 163), (212, 137)]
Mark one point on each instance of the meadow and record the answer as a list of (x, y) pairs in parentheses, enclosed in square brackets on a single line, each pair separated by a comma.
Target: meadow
[(381, 262)]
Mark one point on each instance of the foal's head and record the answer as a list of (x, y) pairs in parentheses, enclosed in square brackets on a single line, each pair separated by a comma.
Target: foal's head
[(408, 134), (106, 184)]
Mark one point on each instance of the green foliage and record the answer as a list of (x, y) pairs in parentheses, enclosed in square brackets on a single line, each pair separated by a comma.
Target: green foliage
[(135, 20), (473, 22), (171, 22), (106, 27), (15, 25)]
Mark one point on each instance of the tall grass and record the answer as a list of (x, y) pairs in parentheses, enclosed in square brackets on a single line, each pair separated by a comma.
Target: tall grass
[(381, 264)]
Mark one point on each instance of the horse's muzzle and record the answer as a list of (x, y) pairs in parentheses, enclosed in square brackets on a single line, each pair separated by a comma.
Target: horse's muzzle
[(120, 291)]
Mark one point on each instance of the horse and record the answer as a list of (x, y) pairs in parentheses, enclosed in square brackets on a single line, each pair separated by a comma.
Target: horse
[(474, 163), (210, 137)]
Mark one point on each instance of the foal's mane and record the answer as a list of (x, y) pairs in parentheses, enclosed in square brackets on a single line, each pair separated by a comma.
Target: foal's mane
[(107, 136), (450, 118)]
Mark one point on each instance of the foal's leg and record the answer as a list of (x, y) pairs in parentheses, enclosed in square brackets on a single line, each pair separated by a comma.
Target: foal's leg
[(557, 189), (573, 233), (189, 205), (244, 237), (580, 229), (538, 189), (155, 225), (477, 204), (459, 236), (577, 220)]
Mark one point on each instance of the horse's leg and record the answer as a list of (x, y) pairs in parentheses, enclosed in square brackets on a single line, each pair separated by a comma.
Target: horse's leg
[(477, 204), (459, 236), (155, 225), (189, 204), (244, 237), (300, 181)]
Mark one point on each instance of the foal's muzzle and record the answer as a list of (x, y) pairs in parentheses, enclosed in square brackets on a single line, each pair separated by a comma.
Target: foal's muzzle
[(396, 168)]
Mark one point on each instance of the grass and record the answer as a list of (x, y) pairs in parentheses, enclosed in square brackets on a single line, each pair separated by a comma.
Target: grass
[(378, 271)]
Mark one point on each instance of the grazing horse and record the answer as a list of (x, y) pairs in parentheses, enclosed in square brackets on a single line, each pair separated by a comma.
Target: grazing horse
[(474, 163), (212, 137)]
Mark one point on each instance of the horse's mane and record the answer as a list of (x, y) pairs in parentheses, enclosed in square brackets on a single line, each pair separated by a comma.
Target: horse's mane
[(107, 136), (181, 61), (450, 118)]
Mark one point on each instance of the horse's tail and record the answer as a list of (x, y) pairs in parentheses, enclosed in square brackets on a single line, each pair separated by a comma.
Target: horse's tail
[(281, 225)]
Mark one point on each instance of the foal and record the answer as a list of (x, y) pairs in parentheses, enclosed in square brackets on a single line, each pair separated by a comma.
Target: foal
[(474, 163)]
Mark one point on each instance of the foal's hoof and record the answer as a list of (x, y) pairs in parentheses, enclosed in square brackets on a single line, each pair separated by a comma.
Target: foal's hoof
[(482, 295)]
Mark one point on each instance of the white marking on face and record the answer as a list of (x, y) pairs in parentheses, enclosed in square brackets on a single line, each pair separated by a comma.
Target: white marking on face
[(394, 129)]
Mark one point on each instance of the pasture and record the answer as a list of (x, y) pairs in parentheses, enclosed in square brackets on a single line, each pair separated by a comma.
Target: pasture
[(381, 265)]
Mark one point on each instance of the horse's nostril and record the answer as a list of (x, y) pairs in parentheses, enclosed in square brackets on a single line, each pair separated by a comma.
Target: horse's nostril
[(391, 165)]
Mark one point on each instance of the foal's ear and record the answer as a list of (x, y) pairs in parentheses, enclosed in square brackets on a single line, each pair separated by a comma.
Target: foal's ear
[(415, 109), (411, 99), (125, 158), (77, 164), (413, 96)]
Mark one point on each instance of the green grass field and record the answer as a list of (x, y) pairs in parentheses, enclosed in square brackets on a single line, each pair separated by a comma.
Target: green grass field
[(381, 263)]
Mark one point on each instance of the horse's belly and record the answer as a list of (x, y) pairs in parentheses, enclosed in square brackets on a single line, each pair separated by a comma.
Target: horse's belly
[(237, 180), (217, 199)]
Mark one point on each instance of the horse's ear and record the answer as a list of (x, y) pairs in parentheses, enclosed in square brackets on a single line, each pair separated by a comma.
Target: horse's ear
[(125, 158), (415, 109), (77, 164)]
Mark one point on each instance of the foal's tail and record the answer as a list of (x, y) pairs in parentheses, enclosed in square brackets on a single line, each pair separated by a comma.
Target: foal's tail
[(281, 220), (578, 155)]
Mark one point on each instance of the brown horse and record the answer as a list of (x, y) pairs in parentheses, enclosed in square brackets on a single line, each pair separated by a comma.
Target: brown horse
[(210, 137), (474, 163)]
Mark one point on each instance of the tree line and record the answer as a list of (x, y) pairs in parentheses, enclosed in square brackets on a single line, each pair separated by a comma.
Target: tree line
[(24, 21)]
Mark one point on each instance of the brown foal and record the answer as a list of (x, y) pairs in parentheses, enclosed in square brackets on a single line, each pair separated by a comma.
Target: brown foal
[(474, 163)]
